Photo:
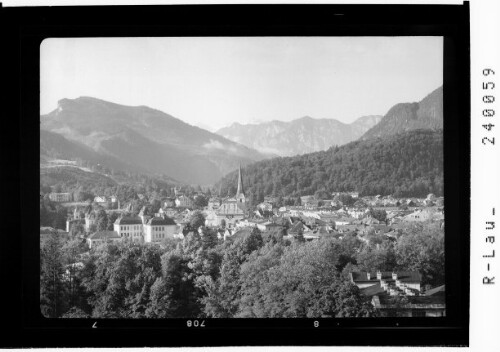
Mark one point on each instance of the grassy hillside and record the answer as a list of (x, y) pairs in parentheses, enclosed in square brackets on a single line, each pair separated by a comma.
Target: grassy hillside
[(139, 139), (72, 176)]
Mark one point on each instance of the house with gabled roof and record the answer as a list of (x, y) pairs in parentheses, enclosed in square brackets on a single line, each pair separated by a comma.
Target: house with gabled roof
[(297, 227)]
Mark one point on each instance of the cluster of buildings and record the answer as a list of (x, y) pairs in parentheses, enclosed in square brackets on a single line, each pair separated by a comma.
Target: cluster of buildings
[(227, 212), (169, 221), (137, 229), (67, 197), (392, 293), (400, 294), (232, 214)]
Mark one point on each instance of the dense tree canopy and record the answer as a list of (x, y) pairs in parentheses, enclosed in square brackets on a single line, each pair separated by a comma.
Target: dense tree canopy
[(422, 249), (196, 220), (407, 164), (251, 274)]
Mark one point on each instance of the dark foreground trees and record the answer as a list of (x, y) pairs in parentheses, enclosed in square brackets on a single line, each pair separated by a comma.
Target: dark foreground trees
[(52, 289), (248, 275), (300, 280), (422, 249)]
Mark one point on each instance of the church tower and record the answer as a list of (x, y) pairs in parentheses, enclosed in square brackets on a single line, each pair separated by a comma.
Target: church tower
[(240, 194)]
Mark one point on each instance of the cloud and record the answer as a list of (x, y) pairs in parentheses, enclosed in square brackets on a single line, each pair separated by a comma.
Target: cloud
[(218, 145)]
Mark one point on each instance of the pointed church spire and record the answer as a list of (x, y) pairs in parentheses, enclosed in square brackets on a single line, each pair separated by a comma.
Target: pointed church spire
[(240, 183)]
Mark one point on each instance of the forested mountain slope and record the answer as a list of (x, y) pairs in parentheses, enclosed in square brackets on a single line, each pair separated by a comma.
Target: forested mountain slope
[(406, 164)]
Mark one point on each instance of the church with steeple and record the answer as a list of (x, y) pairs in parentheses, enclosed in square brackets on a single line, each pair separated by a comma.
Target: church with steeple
[(233, 209), (240, 194)]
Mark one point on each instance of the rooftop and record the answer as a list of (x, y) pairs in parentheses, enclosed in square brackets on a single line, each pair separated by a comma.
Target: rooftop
[(128, 220), (243, 232), (160, 221), (102, 235), (415, 301), (403, 276), (435, 291), (375, 289)]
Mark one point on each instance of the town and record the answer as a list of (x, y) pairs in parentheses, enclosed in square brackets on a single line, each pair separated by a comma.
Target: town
[(374, 223)]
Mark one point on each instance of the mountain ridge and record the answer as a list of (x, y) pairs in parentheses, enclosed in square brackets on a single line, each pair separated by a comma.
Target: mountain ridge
[(425, 114), (146, 139), (299, 136)]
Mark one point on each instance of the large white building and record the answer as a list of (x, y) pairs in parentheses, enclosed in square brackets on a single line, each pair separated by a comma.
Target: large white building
[(129, 227), (158, 228)]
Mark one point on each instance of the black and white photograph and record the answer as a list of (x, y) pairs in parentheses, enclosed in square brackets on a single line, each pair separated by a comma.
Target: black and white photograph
[(242, 177), (219, 175)]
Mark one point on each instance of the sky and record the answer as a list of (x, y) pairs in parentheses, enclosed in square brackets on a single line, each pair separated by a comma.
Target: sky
[(212, 82)]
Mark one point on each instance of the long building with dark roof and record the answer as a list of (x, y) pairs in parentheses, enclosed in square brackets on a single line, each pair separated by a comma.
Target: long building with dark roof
[(102, 236)]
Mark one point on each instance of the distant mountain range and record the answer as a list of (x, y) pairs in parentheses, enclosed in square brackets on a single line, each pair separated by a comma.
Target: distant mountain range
[(426, 114), (301, 136), (307, 135), (138, 139)]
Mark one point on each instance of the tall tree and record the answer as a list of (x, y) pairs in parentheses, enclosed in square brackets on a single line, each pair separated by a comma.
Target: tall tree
[(111, 220), (196, 220), (174, 295), (200, 201), (101, 220), (421, 248), (52, 293), (71, 252)]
